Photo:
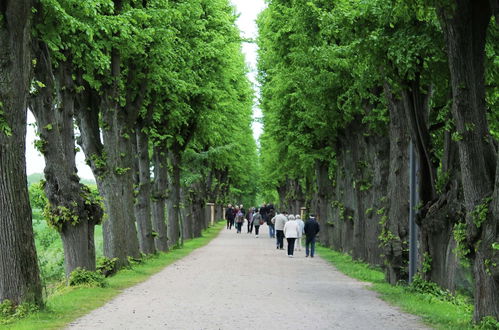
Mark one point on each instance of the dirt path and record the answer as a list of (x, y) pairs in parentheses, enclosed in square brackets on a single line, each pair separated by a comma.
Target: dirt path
[(243, 282)]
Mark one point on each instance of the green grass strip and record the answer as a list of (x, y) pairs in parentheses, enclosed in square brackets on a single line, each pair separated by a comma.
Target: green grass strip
[(70, 303), (433, 311)]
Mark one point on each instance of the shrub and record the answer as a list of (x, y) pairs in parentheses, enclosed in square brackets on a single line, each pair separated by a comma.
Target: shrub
[(9, 312), (6, 308), (488, 323), (83, 277), (107, 266)]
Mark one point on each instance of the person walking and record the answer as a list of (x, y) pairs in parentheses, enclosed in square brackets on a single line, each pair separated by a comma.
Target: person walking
[(291, 229), (311, 230), (239, 220), (257, 221), (270, 223), (301, 226), (249, 218), (229, 216), (279, 222)]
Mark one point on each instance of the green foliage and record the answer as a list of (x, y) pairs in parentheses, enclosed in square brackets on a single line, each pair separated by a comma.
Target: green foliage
[(121, 171), (487, 323), (481, 211), (9, 312), (426, 265), (107, 266), (59, 215), (40, 145), (340, 207), (462, 249), (98, 161), (4, 126), (83, 277), (433, 291), (7, 308), (37, 197), (442, 181)]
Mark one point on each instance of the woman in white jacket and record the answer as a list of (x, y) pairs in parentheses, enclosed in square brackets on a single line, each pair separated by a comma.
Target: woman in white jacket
[(291, 231)]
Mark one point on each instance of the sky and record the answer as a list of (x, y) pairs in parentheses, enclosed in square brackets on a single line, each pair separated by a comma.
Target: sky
[(248, 11)]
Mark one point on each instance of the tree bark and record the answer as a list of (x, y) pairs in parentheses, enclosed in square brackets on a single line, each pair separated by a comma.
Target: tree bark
[(143, 199), (111, 162), (159, 194), (416, 112), (396, 222), (465, 26), (19, 273), (324, 191), (175, 236)]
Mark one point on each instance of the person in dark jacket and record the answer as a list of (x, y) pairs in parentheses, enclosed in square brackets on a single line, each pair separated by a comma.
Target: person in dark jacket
[(270, 215), (311, 230), (229, 216)]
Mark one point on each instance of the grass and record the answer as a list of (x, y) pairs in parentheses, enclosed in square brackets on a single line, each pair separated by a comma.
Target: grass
[(435, 312), (69, 303)]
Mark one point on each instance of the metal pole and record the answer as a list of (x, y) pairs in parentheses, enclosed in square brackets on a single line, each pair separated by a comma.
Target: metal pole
[(413, 249)]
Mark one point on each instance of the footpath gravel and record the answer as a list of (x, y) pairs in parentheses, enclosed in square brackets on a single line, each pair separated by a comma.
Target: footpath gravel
[(238, 281)]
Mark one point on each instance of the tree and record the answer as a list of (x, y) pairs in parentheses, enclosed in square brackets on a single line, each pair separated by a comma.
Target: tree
[(19, 274), (71, 208), (465, 25)]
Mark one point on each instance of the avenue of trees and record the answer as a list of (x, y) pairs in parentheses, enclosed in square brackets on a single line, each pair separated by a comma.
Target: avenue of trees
[(346, 86), (155, 94)]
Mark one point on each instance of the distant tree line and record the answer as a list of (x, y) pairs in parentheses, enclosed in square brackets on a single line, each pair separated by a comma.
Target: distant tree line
[(155, 94), (346, 86)]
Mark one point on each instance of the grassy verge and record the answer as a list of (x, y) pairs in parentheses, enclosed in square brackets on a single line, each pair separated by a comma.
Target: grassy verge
[(70, 303), (435, 312)]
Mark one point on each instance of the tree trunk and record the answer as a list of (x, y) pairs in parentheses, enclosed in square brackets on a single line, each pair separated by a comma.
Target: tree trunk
[(62, 187), (143, 199), (416, 112), (111, 164), (437, 219), (120, 233), (19, 277), (187, 213), (395, 225), (465, 27), (19, 274), (175, 236), (159, 192), (324, 191)]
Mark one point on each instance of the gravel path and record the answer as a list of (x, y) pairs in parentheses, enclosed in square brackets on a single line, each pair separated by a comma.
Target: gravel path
[(242, 282)]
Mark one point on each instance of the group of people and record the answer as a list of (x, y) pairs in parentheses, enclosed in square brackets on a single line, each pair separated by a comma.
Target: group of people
[(281, 225)]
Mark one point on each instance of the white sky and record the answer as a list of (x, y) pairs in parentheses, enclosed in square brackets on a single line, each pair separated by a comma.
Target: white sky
[(248, 11)]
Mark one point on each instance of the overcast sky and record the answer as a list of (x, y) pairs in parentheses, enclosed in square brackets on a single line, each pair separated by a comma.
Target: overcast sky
[(248, 11)]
